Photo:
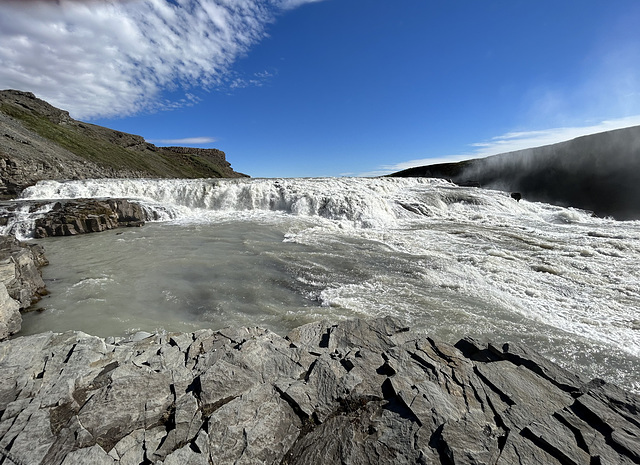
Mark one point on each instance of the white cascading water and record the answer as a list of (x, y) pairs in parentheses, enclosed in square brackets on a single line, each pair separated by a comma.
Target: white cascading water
[(363, 202), (281, 252)]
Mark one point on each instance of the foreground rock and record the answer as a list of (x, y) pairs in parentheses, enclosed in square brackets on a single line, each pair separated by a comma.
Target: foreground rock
[(21, 282), (356, 392)]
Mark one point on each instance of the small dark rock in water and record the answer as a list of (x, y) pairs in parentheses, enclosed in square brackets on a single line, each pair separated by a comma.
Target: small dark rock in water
[(361, 391), (517, 196)]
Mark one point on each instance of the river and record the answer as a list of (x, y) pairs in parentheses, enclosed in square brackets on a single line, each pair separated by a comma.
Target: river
[(451, 261)]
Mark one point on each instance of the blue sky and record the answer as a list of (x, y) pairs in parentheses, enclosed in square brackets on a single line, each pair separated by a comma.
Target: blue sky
[(332, 87)]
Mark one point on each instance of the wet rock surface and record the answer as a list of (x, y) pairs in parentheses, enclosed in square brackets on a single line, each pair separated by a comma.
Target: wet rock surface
[(361, 391)]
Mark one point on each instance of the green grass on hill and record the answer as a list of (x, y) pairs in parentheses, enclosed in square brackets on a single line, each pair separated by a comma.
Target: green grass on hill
[(106, 154)]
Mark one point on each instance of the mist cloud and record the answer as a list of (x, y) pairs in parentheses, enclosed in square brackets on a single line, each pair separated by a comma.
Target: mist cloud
[(511, 142), (115, 58)]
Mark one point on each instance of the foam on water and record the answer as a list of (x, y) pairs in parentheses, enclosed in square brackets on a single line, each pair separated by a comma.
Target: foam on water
[(451, 260)]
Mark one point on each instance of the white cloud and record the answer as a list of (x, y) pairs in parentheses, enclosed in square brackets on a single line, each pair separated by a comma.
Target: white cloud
[(290, 4), (114, 58), (185, 141), (511, 142)]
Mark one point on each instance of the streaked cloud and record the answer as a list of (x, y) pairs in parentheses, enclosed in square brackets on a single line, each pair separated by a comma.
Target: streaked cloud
[(511, 142), (115, 58), (184, 141), (290, 4)]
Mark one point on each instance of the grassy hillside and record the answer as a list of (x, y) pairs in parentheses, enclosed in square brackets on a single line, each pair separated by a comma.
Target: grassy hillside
[(40, 134)]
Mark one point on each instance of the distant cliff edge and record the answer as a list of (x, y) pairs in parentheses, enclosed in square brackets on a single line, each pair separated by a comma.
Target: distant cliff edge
[(39, 141), (598, 172)]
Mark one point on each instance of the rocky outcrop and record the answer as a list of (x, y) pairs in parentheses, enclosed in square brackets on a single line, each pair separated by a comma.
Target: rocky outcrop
[(21, 282), (39, 141), (362, 391), (215, 155), (71, 217)]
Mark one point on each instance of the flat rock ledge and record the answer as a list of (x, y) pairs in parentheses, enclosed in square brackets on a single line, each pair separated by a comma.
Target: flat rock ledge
[(357, 392)]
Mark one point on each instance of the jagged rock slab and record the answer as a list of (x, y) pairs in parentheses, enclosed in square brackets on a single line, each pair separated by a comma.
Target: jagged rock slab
[(362, 391)]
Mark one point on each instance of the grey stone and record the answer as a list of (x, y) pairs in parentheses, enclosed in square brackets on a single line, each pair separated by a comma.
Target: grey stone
[(94, 455), (21, 282), (356, 392), (257, 427), (10, 318)]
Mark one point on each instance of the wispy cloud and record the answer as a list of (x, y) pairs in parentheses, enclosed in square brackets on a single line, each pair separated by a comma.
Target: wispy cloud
[(511, 142), (256, 80), (184, 141), (290, 4), (115, 58)]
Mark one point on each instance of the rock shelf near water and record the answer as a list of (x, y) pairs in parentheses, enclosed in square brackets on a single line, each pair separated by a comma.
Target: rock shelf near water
[(361, 391), (76, 216)]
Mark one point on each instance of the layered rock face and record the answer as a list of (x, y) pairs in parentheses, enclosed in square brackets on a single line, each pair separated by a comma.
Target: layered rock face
[(21, 282), (77, 216), (71, 217), (362, 391)]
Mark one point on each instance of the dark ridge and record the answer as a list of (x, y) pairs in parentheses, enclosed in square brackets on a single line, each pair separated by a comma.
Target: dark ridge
[(598, 172)]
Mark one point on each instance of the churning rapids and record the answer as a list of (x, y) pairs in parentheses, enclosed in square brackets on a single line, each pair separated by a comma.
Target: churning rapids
[(278, 253)]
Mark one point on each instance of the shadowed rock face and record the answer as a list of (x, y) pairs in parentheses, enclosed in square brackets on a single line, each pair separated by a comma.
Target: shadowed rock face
[(362, 391), (599, 172), (21, 282), (69, 217), (80, 216)]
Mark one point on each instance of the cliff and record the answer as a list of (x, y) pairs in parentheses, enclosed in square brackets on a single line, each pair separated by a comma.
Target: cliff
[(39, 141), (598, 172)]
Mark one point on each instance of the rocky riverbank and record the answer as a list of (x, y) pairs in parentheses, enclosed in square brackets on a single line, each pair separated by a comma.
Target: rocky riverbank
[(361, 391)]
